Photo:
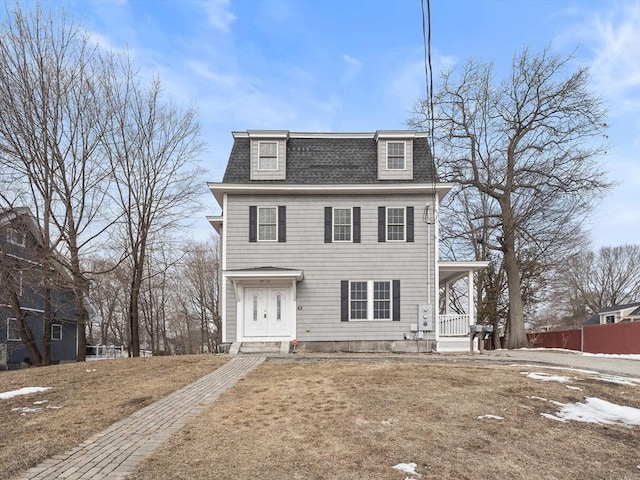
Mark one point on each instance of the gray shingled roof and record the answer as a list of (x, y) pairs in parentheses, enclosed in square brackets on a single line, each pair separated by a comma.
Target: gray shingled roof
[(330, 161), (615, 308)]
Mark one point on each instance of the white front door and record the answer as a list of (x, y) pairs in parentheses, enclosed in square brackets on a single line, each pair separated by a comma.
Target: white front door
[(266, 312)]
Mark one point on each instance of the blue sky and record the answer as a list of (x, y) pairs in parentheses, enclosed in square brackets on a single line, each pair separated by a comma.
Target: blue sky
[(357, 65)]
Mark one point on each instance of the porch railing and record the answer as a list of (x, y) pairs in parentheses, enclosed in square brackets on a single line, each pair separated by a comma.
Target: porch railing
[(453, 325)]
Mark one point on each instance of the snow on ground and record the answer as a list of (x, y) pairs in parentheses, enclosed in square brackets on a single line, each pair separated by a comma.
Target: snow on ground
[(22, 391), (545, 377), (407, 468), (494, 417), (624, 356), (595, 410)]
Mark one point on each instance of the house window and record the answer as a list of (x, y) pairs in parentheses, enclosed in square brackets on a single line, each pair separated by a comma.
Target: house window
[(13, 332), (56, 331), (15, 237), (358, 301), (267, 224), (268, 156), (395, 156), (371, 300), (341, 224), (279, 307), (381, 300), (610, 319), (395, 224)]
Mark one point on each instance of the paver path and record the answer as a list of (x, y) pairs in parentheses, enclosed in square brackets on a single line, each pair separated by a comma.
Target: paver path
[(115, 452)]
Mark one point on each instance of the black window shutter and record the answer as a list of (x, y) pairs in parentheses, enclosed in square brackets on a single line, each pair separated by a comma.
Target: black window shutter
[(396, 301), (282, 223), (409, 224), (382, 223), (328, 224), (253, 223), (344, 301), (356, 224)]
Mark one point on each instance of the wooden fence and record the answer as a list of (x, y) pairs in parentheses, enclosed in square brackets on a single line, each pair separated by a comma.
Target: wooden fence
[(620, 338)]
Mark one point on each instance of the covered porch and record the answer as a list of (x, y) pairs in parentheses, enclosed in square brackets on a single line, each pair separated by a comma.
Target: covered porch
[(452, 327)]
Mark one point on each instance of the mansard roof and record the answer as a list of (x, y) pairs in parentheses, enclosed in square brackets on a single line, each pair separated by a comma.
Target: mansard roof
[(330, 158)]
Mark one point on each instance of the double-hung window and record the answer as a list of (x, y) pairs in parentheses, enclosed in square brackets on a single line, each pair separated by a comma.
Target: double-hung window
[(342, 224), (395, 224), (268, 156), (268, 223), (370, 300), (13, 333), (395, 156), (56, 331)]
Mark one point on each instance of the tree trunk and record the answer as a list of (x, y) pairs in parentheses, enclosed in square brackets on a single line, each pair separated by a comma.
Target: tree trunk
[(517, 337)]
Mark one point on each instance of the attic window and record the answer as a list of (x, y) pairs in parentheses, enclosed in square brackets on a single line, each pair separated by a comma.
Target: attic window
[(15, 237), (395, 156), (268, 156)]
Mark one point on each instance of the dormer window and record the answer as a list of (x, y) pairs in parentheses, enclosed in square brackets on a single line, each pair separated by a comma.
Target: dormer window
[(395, 156), (268, 156), (15, 237)]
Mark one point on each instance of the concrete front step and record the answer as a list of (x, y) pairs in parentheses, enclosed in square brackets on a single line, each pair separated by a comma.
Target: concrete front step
[(255, 348)]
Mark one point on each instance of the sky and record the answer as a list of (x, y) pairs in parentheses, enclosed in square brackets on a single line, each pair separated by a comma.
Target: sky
[(358, 65)]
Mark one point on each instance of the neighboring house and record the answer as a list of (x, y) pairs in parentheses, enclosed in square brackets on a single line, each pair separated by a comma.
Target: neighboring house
[(629, 312), (331, 239), (21, 271)]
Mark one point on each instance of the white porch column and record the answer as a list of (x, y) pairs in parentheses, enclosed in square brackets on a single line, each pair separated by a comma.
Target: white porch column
[(471, 296), (447, 298)]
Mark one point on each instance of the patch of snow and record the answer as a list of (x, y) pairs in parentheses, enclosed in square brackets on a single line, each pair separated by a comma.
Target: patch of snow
[(630, 382), (40, 402), (25, 410), (624, 356), (545, 377), (92, 370), (573, 387), (596, 410), (533, 397), (22, 391), (407, 468), (494, 417), (549, 367), (53, 407)]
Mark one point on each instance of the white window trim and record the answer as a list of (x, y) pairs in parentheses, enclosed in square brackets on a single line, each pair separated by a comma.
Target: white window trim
[(12, 234), (9, 329), (59, 326), (386, 225), (333, 225), (370, 302), (258, 224), (259, 156), (404, 168)]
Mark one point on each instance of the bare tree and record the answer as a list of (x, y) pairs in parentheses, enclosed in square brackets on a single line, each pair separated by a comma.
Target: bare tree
[(528, 145), (152, 146), (51, 129), (595, 280)]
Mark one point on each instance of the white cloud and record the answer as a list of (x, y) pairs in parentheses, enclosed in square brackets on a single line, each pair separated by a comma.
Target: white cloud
[(219, 14)]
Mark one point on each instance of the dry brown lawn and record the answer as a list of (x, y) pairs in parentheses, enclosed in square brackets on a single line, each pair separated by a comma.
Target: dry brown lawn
[(90, 397), (357, 419)]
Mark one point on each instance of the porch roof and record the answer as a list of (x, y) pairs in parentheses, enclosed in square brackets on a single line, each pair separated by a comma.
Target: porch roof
[(452, 271), (264, 273)]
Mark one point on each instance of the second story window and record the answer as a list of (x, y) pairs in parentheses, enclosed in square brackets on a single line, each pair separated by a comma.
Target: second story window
[(267, 224), (395, 156), (341, 224), (13, 333), (56, 331), (268, 156), (395, 224), (15, 237)]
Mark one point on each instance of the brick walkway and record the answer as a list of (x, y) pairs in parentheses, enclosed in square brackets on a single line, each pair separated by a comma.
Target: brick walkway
[(116, 451)]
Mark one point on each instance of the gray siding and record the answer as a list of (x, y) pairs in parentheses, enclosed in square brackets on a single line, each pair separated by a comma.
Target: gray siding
[(383, 173), (326, 264)]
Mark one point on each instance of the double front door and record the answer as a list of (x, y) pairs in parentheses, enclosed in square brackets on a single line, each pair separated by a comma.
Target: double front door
[(266, 312)]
